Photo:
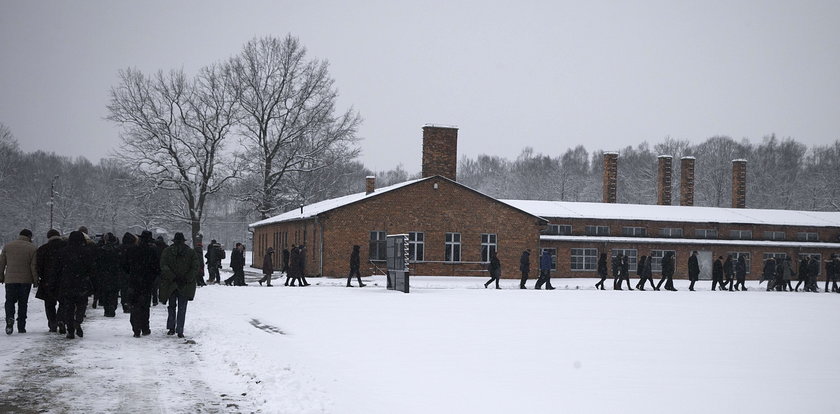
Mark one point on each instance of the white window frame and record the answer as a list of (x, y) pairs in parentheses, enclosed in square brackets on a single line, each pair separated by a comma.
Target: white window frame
[(739, 234), (416, 243), (671, 232), (632, 259), (592, 230), (452, 245), (376, 245), (807, 236), (656, 259), (489, 243), (634, 231), (774, 235), (583, 259), (706, 233)]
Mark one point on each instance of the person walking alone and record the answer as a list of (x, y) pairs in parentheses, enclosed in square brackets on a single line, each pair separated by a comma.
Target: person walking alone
[(267, 267), (524, 267), (495, 270), (354, 267), (545, 271), (180, 267), (602, 271), (18, 270)]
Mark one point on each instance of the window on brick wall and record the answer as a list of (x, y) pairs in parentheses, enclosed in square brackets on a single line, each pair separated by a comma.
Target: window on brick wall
[(584, 260), (597, 230), (737, 255), (774, 235), (671, 232), (634, 231), (656, 259), (553, 254), (377, 248), (631, 257), (807, 236), (488, 245), (416, 246), (453, 247), (558, 230), (706, 233), (775, 255), (740, 234)]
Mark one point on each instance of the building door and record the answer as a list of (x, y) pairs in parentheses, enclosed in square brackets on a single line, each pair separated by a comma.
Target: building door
[(704, 259)]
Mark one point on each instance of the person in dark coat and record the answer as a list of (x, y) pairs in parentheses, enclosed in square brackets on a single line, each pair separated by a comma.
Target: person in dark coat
[(75, 267), (495, 270), (108, 274), (741, 273), (769, 273), (602, 271), (237, 263), (717, 274), (302, 265), (616, 272), (267, 267), (286, 261), (545, 271), (729, 272), (214, 257), (160, 245), (46, 259), (804, 267), (693, 270), (294, 266), (645, 273), (813, 272), (524, 267), (142, 263), (129, 240), (179, 266), (667, 272), (198, 248), (832, 269), (355, 262), (625, 271), (784, 275)]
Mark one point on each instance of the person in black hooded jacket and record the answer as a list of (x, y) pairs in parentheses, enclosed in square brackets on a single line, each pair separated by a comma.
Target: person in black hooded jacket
[(355, 263), (142, 263), (75, 267), (129, 240), (46, 258), (108, 274), (524, 267), (602, 271)]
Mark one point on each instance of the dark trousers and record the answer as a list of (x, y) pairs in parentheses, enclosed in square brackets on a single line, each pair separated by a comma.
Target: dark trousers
[(74, 311), (524, 279), (642, 281), (177, 312), (358, 276), (729, 281), (17, 293), (668, 280), (833, 285), (266, 278), (740, 281), (691, 285), (155, 290), (108, 299), (214, 273), (545, 279), (601, 282), (715, 283), (53, 316), (493, 278), (140, 312)]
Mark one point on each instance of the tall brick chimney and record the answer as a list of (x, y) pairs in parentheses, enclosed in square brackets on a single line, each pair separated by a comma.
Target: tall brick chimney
[(440, 151), (610, 177), (370, 184), (687, 181), (739, 183), (663, 181)]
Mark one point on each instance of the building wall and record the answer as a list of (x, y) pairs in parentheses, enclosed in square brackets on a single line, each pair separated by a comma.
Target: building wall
[(282, 236), (415, 208)]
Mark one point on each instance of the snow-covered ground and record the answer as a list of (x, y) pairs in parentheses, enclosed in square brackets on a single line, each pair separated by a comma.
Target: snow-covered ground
[(449, 346)]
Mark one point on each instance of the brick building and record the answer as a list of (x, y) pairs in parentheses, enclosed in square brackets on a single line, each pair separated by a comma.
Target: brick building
[(452, 227)]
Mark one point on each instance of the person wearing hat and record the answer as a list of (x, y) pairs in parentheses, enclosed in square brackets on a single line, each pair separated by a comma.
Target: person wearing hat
[(142, 263), (214, 257), (180, 266), (18, 270), (47, 257), (268, 266)]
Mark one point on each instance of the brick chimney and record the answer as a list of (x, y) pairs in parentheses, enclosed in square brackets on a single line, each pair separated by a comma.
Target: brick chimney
[(687, 181), (440, 151), (739, 183), (370, 184), (610, 177), (663, 181)]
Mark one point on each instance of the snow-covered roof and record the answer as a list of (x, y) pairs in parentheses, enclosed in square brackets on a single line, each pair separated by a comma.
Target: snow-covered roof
[(314, 209), (614, 211), (668, 240)]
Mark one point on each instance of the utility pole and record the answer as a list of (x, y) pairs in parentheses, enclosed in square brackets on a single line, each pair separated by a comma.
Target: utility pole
[(52, 194)]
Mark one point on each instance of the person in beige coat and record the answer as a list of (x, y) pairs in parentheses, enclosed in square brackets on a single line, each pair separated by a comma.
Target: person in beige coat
[(18, 271)]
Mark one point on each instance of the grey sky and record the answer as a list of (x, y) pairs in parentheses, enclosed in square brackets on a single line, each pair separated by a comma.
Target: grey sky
[(546, 74)]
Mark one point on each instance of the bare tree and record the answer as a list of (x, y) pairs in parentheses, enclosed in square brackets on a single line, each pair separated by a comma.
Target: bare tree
[(175, 132), (289, 106)]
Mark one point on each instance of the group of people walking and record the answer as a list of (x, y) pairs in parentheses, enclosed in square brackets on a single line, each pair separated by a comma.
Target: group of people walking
[(293, 265), (67, 272), (779, 274)]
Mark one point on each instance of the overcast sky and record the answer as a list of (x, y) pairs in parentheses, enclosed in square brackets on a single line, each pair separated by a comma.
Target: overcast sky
[(545, 74)]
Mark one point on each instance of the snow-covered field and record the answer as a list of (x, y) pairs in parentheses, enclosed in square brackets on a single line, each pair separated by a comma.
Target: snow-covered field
[(449, 346)]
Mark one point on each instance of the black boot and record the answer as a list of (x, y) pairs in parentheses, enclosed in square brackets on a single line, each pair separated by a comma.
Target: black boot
[(70, 332), (61, 329), (79, 332), (21, 326), (10, 323)]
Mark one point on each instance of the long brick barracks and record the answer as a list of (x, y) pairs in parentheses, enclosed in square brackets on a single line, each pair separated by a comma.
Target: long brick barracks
[(452, 228)]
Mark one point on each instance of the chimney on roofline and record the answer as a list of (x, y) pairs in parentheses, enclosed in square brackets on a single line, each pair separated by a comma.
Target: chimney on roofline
[(739, 183), (370, 184), (663, 182), (610, 177), (440, 151), (687, 181)]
